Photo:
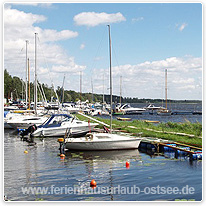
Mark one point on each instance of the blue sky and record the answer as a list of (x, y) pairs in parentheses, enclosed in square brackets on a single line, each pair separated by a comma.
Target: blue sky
[(147, 38)]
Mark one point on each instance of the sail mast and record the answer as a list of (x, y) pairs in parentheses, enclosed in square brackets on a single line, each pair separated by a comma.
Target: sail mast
[(166, 88), (103, 89), (80, 93), (35, 81), (29, 85), (120, 100), (26, 98), (110, 66)]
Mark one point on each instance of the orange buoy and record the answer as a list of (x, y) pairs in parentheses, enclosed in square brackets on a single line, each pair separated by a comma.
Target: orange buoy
[(93, 183), (60, 140), (127, 164), (62, 155)]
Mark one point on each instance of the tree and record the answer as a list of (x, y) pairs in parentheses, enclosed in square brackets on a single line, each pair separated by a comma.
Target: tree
[(7, 84)]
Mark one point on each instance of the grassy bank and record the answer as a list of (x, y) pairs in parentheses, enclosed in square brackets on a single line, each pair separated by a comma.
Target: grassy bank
[(188, 133)]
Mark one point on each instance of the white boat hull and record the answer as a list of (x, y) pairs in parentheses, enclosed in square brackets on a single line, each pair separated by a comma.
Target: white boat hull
[(25, 123), (60, 131), (102, 144)]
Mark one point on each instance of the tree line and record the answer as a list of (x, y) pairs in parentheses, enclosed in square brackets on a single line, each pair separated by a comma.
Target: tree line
[(16, 86)]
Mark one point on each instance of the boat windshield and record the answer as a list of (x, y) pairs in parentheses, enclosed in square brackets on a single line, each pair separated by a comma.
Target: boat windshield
[(126, 106), (57, 120)]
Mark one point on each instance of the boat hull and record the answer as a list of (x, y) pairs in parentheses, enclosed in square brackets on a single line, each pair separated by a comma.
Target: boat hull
[(104, 145), (21, 125), (59, 132)]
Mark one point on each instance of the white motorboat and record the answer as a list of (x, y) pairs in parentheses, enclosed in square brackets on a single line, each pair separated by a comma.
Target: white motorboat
[(127, 109), (99, 110), (152, 107), (71, 107), (11, 107), (24, 121), (103, 141), (58, 124)]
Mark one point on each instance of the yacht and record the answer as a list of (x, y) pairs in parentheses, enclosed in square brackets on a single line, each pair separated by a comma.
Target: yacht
[(59, 124), (127, 109), (103, 141)]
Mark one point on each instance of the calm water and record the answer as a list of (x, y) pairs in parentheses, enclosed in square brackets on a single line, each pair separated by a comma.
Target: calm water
[(42, 167), (172, 118)]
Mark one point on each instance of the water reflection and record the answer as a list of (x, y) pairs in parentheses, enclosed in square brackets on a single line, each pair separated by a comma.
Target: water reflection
[(42, 167)]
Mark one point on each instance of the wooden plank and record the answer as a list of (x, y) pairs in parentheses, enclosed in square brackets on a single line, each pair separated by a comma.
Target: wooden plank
[(176, 148)]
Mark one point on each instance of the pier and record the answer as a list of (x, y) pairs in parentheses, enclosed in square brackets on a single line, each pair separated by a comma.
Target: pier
[(179, 149)]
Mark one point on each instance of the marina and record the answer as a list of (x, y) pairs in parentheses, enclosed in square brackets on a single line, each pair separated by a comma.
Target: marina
[(79, 126), (42, 167)]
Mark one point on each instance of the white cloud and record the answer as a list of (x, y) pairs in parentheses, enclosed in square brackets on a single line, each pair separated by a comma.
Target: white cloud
[(43, 5), (92, 19), (181, 27), (138, 19), (19, 19), (18, 27), (82, 46), (71, 67), (147, 79)]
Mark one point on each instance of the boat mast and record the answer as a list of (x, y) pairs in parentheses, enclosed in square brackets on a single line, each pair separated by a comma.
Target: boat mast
[(29, 84), (103, 89), (35, 81), (80, 89), (120, 100), (110, 66), (26, 99), (63, 89), (92, 90), (166, 88)]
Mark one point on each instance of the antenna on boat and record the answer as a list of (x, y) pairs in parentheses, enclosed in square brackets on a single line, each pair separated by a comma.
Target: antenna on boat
[(110, 66)]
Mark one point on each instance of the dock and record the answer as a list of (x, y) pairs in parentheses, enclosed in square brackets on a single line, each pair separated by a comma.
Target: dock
[(166, 146)]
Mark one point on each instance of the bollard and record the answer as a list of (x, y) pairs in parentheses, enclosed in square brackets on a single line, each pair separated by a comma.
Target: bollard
[(61, 145)]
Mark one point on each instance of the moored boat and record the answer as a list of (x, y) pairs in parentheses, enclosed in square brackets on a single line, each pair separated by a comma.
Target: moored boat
[(103, 141), (58, 124)]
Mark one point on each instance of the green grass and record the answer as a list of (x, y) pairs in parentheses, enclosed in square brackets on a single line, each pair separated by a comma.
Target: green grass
[(141, 126)]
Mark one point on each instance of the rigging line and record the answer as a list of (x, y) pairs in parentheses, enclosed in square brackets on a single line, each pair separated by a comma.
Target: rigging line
[(47, 68), (17, 59), (98, 49), (45, 60)]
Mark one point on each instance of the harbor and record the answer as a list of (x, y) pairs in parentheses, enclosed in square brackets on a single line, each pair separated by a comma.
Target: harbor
[(79, 126), (46, 165), (43, 167)]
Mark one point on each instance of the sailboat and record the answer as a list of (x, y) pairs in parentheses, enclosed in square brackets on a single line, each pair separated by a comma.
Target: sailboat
[(165, 111), (104, 141), (25, 120)]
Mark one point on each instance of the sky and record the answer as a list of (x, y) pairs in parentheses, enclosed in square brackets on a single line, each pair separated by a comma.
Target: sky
[(147, 38)]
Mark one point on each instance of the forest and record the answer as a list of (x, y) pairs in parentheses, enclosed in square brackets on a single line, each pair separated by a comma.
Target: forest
[(16, 86)]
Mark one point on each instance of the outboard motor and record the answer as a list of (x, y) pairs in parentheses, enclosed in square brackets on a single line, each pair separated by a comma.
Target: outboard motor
[(30, 130)]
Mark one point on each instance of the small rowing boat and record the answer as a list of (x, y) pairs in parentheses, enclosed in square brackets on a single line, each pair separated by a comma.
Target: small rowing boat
[(124, 119), (151, 121)]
